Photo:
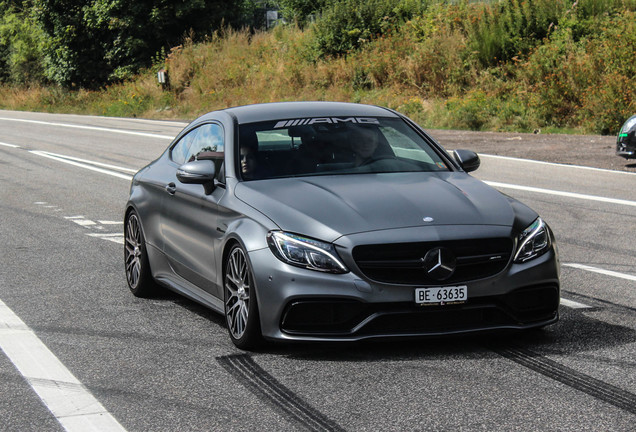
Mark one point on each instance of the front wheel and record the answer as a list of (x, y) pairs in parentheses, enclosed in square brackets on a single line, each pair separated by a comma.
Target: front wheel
[(241, 309)]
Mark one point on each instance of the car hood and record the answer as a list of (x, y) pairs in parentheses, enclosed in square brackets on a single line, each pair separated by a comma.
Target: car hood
[(327, 207)]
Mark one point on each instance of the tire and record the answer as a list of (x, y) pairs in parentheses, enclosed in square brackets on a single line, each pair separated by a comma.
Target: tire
[(138, 273), (241, 307)]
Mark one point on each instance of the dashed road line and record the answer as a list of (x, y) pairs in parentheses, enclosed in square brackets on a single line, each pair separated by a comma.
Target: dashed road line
[(600, 271), (574, 305), (9, 145), (70, 402), (80, 220), (113, 237)]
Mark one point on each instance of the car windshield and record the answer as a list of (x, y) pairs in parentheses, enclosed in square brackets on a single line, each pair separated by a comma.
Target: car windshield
[(328, 146)]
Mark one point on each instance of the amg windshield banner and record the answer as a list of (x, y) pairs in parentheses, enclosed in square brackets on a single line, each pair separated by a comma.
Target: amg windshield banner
[(329, 120)]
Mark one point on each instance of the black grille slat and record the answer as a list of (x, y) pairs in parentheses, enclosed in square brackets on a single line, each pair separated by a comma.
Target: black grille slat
[(402, 263), (479, 259), (392, 263)]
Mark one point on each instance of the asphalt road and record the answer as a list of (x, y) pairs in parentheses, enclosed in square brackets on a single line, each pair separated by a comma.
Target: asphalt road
[(81, 351)]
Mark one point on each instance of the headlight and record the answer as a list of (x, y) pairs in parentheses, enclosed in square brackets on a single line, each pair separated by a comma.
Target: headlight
[(304, 252), (533, 241)]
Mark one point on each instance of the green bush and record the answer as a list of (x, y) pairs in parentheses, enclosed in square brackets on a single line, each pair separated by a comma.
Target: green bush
[(298, 11), (512, 27), (347, 24), (589, 81), (21, 58)]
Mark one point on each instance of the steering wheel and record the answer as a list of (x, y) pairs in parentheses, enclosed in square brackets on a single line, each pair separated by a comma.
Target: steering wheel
[(376, 158)]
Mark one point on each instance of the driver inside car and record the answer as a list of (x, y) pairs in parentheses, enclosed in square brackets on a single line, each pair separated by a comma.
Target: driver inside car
[(369, 146)]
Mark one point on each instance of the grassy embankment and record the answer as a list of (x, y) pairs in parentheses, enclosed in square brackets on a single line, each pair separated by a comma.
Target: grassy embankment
[(441, 69)]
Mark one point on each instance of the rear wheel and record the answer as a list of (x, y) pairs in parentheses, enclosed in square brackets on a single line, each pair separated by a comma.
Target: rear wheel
[(138, 273), (241, 309)]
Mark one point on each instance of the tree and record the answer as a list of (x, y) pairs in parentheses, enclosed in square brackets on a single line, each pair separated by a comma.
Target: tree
[(300, 10), (92, 42), (20, 44)]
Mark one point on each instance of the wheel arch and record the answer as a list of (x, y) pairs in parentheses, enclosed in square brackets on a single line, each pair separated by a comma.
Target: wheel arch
[(234, 240), (129, 208)]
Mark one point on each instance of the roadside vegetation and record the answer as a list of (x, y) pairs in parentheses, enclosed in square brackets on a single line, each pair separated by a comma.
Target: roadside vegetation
[(554, 65)]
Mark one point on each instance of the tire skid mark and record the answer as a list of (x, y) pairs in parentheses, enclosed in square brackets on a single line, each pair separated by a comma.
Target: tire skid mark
[(596, 388), (266, 387)]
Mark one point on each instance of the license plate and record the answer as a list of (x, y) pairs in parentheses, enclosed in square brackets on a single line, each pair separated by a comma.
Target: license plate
[(441, 295)]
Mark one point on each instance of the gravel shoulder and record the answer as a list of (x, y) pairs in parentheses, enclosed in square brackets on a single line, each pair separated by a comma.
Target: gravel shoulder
[(585, 150)]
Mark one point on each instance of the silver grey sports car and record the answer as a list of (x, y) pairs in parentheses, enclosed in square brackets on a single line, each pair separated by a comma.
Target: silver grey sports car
[(322, 221)]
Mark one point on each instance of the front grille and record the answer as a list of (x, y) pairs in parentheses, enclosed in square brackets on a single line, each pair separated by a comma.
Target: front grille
[(402, 263)]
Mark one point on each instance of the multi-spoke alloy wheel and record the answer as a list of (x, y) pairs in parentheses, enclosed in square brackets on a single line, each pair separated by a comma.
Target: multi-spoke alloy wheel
[(136, 259), (240, 300)]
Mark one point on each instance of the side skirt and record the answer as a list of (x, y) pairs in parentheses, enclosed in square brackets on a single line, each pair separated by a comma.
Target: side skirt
[(192, 292), (164, 275)]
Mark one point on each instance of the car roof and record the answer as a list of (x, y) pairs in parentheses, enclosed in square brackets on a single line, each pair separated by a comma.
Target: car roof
[(291, 110)]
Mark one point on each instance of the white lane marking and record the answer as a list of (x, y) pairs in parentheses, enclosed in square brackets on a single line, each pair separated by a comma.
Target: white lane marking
[(600, 271), (116, 238), (140, 120), (69, 401), (574, 305), (556, 164), (80, 220), (111, 222), (83, 222), (82, 165), (9, 145), (562, 193), (97, 128), (90, 162)]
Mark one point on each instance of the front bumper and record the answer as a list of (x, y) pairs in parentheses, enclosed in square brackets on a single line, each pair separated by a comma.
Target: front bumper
[(302, 305)]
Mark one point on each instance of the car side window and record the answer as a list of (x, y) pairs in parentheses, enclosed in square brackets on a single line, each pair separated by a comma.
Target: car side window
[(207, 144), (180, 151)]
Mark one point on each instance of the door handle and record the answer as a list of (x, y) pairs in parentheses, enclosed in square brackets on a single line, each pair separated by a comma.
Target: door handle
[(171, 188)]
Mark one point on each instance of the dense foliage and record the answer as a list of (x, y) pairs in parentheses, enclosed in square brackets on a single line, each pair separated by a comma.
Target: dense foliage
[(89, 43), (347, 24), (500, 65), (301, 11), (21, 41)]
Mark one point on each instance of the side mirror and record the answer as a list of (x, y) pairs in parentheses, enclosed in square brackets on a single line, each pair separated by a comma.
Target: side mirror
[(467, 159), (198, 172)]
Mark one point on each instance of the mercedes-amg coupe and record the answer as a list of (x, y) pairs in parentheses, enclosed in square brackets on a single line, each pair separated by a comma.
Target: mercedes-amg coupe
[(323, 221)]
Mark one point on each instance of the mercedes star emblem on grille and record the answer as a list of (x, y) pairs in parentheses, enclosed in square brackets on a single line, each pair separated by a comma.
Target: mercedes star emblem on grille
[(440, 263)]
